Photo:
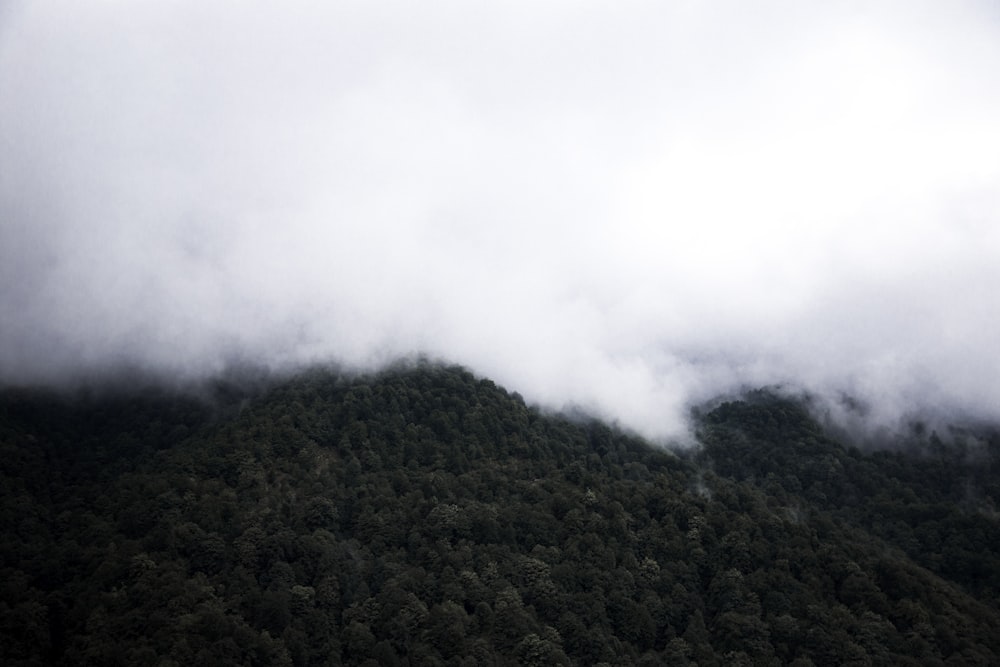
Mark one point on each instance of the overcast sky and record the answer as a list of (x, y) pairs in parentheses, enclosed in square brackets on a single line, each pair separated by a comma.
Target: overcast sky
[(627, 206)]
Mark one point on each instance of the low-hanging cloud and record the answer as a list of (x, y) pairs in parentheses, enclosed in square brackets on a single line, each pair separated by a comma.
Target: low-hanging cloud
[(631, 208)]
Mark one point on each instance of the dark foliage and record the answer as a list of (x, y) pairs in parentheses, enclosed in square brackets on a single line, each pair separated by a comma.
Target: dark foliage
[(427, 517)]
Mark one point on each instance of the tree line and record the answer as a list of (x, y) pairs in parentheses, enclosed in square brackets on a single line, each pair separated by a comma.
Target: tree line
[(424, 516)]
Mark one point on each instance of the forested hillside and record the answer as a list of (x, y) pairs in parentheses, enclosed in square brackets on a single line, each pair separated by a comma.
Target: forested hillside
[(424, 516)]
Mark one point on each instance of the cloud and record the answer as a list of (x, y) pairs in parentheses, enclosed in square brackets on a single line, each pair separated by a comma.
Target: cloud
[(628, 208)]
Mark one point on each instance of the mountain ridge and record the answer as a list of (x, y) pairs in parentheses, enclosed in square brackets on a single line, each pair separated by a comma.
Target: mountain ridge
[(427, 516)]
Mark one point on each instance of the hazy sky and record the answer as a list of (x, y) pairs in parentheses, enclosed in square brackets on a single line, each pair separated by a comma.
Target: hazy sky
[(627, 206)]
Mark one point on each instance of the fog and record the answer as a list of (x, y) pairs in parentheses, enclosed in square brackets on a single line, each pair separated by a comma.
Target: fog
[(625, 207)]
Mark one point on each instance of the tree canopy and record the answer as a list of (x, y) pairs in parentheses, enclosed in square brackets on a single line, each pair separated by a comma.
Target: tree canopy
[(424, 516)]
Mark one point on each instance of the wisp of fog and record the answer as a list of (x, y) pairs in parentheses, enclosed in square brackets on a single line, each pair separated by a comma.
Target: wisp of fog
[(628, 207)]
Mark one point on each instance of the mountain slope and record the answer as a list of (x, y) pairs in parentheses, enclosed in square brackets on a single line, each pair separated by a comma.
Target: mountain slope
[(424, 516), (934, 501)]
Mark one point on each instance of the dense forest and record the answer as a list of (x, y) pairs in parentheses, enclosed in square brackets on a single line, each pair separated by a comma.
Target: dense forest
[(423, 516)]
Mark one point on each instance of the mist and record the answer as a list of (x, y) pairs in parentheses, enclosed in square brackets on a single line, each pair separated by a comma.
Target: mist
[(629, 208)]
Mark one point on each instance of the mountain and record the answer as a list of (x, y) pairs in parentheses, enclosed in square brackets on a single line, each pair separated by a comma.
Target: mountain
[(424, 516)]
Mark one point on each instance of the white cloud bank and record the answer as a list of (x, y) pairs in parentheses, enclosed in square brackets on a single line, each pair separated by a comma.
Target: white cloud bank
[(628, 206)]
